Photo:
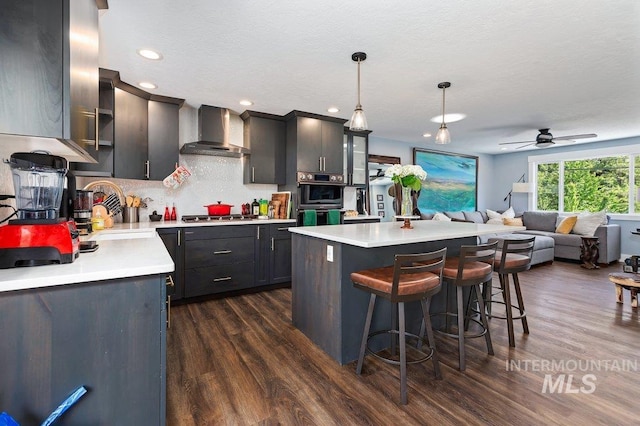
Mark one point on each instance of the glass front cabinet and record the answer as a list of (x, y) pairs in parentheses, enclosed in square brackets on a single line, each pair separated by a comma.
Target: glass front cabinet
[(355, 157)]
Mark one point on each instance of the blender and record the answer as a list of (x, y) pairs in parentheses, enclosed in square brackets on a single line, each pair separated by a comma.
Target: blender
[(38, 236)]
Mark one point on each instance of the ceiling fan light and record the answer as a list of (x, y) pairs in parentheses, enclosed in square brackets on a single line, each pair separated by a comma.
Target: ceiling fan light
[(358, 120), (443, 137)]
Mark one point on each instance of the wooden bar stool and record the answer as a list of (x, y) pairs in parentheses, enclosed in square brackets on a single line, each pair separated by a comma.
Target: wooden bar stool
[(413, 277), (515, 256), (471, 268)]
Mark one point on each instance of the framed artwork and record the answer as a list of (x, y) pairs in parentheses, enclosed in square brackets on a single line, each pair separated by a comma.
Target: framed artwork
[(381, 213), (452, 181), (379, 197), (380, 206)]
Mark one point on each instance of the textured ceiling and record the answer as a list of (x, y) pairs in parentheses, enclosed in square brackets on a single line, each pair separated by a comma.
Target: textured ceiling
[(569, 65)]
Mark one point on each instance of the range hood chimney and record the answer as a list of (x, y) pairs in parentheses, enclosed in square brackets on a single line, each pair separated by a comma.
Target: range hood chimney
[(213, 135)]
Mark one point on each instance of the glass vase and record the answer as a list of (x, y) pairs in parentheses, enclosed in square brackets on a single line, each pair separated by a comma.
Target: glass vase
[(407, 204)]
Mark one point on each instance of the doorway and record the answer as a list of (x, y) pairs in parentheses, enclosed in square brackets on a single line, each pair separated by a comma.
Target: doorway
[(380, 199)]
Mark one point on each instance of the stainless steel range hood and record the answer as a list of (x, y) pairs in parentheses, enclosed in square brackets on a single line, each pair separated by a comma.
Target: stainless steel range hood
[(213, 135)]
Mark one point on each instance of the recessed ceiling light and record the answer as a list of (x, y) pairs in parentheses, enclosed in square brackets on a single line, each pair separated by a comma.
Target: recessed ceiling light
[(426, 135), (332, 109), (147, 85), (150, 54), (449, 118), (246, 102), (504, 148)]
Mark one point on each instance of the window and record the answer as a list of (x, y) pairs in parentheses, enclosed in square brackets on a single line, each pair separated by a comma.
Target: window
[(593, 184)]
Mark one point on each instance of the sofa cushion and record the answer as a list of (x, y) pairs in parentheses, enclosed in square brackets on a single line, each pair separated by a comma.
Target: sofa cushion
[(475, 217), (455, 215), (540, 221), (587, 223), (441, 216), (571, 240), (566, 224)]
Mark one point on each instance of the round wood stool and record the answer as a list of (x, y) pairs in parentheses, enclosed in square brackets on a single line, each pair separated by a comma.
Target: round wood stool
[(627, 280)]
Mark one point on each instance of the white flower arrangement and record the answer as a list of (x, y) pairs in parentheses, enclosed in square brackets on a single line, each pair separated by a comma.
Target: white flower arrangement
[(408, 175)]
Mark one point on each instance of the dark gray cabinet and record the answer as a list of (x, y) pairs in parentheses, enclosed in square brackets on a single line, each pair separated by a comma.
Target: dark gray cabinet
[(314, 143), (265, 135), (218, 259), (355, 154), (138, 132), (109, 336), (172, 239), (273, 254), (41, 92)]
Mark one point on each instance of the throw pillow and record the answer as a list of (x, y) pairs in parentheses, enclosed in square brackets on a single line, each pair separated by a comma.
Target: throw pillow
[(475, 217), (496, 218), (441, 216), (540, 221), (587, 223), (566, 224), (516, 221)]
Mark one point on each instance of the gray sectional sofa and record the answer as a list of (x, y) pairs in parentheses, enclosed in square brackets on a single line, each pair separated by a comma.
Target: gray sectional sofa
[(544, 224)]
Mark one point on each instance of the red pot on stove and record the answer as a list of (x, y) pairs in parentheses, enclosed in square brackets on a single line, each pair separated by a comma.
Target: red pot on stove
[(219, 209)]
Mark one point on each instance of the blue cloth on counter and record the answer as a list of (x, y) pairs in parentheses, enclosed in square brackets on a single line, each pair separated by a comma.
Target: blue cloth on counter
[(333, 217), (309, 218)]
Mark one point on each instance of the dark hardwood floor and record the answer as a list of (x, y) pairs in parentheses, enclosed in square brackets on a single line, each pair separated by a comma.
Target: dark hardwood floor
[(240, 361)]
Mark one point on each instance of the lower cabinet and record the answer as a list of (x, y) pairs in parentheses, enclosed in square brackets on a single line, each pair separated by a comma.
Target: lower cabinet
[(172, 239), (109, 336), (273, 253)]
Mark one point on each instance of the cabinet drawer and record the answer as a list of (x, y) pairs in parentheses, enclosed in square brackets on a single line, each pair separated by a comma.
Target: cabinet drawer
[(221, 231), (219, 251), (281, 230), (218, 279)]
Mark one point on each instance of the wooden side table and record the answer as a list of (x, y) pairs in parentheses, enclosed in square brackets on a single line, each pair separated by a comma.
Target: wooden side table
[(589, 252), (628, 280)]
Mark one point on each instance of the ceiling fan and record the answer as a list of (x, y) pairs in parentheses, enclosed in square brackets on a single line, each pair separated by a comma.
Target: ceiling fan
[(546, 139)]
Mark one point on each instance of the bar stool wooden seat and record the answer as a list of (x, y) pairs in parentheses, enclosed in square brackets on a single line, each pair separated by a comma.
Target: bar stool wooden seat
[(413, 277), (471, 268), (514, 257)]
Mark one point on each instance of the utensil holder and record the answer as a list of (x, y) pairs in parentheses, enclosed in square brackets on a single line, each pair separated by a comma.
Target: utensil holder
[(131, 214)]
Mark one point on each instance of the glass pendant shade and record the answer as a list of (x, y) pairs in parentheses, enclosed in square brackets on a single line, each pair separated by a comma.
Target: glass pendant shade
[(443, 136), (358, 120)]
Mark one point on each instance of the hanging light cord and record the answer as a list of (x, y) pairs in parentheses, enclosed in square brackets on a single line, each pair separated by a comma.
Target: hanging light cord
[(358, 106), (443, 89)]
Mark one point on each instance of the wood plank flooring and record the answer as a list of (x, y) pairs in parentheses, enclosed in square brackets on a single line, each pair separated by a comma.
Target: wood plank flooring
[(239, 361)]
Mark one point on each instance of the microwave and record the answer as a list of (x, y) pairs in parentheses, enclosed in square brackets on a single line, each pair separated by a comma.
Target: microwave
[(320, 191)]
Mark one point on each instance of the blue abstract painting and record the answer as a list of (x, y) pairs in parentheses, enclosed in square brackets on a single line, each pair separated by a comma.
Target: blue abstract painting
[(451, 183)]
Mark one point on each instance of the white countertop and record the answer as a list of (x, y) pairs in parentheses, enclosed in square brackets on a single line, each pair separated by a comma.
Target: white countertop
[(360, 217), (118, 258), (383, 234)]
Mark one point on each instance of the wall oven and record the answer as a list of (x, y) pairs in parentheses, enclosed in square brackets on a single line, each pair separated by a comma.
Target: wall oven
[(320, 192)]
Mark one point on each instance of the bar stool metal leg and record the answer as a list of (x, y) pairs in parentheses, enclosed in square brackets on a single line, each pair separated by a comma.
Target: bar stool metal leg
[(429, 329), (461, 309), (365, 333), (506, 292), (523, 316), (483, 317), (403, 355)]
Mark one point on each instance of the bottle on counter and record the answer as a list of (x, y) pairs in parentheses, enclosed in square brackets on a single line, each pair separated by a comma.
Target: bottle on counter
[(167, 215), (264, 207), (174, 215), (255, 207), (97, 222)]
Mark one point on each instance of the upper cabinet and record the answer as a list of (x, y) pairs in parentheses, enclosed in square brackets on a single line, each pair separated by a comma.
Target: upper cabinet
[(137, 132), (355, 157), (314, 142), (265, 135), (49, 83)]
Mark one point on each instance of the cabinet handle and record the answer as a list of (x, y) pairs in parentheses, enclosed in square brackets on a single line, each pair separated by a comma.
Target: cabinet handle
[(258, 232), (324, 164), (320, 166), (146, 166), (169, 311), (179, 237), (170, 282), (272, 243), (253, 174), (97, 130), (215, 280), (283, 229), (188, 232), (222, 252)]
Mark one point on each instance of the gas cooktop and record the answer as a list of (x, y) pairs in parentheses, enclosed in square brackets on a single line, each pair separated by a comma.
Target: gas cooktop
[(206, 218)]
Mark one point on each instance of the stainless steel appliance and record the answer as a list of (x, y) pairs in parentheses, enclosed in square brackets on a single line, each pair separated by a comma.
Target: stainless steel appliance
[(320, 192)]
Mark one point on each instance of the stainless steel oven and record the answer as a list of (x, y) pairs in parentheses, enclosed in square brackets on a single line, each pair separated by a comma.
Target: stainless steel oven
[(321, 192)]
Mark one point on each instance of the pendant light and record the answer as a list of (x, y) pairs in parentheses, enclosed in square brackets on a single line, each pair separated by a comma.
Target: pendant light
[(358, 120), (443, 136)]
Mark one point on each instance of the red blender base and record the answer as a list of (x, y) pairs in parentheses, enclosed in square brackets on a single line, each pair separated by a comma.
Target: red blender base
[(38, 242)]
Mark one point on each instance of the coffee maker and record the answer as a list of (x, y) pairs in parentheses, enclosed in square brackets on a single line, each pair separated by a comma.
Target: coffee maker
[(39, 236)]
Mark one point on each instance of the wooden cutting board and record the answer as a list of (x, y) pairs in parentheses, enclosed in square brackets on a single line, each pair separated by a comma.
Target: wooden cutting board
[(284, 198)]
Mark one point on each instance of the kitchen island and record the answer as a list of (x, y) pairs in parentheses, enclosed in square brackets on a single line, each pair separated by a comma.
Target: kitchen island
[(325, 305), (99, 322)]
